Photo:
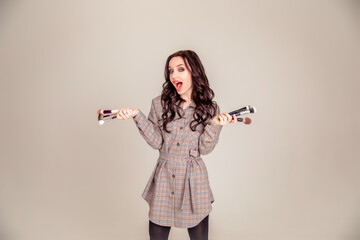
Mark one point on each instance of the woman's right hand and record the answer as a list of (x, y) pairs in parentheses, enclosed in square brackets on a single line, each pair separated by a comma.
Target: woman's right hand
[(224, 119), (126, 113)]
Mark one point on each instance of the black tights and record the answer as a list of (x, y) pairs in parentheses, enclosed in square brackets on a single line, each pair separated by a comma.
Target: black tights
[(199, 232)]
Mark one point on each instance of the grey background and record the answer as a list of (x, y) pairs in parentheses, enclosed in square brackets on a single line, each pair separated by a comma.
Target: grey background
[(292, 174)]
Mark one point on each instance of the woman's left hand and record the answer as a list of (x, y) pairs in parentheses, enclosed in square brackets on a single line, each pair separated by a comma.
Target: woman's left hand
[(224, 119)]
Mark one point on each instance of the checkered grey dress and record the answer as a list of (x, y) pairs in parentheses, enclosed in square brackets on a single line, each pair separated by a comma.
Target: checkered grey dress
[(178, 191)]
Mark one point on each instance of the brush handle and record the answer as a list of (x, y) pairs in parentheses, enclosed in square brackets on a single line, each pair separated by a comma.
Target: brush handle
[(102, 121), (244, 110), (239, 110), (108, 111), (241, 113), (109, 118), (108, 115)]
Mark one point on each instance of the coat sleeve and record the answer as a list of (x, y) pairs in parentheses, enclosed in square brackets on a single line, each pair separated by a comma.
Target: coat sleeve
[(149, 128), (210, 136)]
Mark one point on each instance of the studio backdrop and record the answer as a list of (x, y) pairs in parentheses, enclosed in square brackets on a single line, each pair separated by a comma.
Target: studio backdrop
[(293, 173)]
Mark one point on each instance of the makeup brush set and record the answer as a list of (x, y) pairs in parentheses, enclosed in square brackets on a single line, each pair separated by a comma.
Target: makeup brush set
[(242, 111), (106, 115)]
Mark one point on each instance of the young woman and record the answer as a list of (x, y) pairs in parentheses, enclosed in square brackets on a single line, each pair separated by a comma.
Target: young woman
[(183, 124)]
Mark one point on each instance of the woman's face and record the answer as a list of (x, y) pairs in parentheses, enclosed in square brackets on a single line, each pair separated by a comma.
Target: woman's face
[(180, 77)]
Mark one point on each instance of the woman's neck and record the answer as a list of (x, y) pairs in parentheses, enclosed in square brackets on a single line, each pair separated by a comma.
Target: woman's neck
[(187, 99), (185, 105)]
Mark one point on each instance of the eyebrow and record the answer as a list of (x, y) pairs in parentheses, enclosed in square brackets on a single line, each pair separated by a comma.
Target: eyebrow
[(176, 66)]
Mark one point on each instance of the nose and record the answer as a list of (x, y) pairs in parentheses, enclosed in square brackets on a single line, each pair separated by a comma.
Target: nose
[(173, 74)]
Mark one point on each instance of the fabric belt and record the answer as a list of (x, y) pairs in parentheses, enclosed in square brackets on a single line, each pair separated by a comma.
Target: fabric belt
[(189, 181)]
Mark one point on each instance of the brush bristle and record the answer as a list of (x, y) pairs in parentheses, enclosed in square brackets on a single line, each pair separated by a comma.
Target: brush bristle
[(247, 120)]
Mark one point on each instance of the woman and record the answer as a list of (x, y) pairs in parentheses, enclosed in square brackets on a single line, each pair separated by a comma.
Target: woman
[(183, 123)]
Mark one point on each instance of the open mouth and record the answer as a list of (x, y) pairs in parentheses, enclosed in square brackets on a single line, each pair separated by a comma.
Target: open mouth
[(178, 85)]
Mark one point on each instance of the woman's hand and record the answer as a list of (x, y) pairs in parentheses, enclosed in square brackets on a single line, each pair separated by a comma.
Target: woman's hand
[(126, 113), (224, 119)]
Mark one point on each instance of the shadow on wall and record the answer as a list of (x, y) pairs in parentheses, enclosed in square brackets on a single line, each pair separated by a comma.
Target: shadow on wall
[(4, 232), (356, 228), (355, 4), (6, 8)]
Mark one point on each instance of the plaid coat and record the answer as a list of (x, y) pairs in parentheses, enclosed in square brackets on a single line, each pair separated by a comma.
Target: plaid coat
[(178, 191)]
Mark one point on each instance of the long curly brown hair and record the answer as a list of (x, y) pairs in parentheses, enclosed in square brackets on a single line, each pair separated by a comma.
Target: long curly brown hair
[(202, 94)]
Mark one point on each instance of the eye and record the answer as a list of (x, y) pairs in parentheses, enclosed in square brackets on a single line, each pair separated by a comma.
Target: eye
[(171, 71), (181, 69)]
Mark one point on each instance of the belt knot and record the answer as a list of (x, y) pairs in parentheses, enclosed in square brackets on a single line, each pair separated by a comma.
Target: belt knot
[(189, 182)]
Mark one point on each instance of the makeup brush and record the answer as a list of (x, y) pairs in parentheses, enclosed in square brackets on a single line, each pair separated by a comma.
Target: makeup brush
[(101, 116), (103, 119), (245, 110), (106, 115), (250, 110), (240, 110), (245, 120), (100, 111)]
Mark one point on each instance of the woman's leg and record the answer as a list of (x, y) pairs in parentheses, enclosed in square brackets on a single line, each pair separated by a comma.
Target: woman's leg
[(200, 231), (158, 232)]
